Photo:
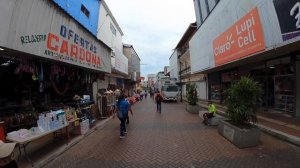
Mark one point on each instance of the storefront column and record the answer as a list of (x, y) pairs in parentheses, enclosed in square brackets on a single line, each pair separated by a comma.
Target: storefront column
[(297, 93)]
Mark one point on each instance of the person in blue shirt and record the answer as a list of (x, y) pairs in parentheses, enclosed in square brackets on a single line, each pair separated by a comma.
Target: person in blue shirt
[(122, 108)]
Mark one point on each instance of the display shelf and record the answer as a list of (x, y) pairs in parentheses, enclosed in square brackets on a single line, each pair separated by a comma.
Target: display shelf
[(284, 102), (284, 98)]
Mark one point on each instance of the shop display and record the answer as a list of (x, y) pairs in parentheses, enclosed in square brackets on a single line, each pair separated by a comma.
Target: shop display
[(283, 92), (47, 121), (215, 92), (84, 126), (51, 120)]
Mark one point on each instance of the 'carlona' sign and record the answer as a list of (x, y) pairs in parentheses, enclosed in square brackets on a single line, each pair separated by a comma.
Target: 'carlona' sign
[(243, 38), (288, 13), (66, 45), (54, 35), (70, 46)]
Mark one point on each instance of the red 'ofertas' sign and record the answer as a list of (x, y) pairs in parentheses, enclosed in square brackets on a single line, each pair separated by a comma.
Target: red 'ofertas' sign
[(243, 38), (73, 47)]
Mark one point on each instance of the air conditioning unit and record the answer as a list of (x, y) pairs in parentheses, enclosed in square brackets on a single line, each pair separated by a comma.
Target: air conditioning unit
[(112, 53)]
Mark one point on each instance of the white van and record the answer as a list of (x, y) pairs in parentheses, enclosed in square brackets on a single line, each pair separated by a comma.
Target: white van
[(170, 92)]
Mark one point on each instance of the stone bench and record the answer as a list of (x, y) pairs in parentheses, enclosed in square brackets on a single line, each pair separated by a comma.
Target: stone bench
[(211, 121)]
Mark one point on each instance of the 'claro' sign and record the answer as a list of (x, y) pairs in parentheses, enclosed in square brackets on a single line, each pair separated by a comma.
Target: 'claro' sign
[(243, 38)]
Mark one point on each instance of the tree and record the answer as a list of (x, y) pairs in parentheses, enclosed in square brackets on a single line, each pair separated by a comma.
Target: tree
[(241, 101), (192, 93)]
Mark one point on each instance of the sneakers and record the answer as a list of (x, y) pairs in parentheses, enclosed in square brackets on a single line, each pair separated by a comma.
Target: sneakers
[(125, 132), (122, 137)]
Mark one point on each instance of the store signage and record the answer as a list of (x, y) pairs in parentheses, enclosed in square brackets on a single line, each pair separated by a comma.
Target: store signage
[(70, 46), (54, 36), (243, 38), (120, 63), (288, 13)]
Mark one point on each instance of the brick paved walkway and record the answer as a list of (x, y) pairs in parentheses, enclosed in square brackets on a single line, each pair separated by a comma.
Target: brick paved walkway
[(173, 138)]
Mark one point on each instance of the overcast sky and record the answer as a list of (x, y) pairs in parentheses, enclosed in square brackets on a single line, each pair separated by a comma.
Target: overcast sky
[(153, 27)]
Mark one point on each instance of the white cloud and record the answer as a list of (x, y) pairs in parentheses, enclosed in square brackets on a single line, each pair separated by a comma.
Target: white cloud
[(153, 28)]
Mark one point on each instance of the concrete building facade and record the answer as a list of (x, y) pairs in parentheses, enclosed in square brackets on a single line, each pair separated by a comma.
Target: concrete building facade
[(251, 37)]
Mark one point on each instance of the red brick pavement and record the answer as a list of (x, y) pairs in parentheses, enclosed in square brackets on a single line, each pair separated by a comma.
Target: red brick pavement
[(173, 138)]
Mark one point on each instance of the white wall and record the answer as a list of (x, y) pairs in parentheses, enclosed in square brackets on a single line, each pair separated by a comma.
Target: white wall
[(174, 69), (104, 31), (114, 41), (225, 14), (120, 62), (201, 90)]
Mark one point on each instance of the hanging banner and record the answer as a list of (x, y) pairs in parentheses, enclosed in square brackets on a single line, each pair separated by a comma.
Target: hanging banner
[(243, 38), (288, 13)]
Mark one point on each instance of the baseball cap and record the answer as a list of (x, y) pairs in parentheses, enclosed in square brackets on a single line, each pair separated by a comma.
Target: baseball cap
[(6, 149)]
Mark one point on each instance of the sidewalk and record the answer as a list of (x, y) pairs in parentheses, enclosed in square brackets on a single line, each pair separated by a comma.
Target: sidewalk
[(53, 150), (173, 138), (277, 124), (170, 139)]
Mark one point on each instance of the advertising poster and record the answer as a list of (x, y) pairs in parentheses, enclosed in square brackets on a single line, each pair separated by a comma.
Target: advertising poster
[(242, 39), (288, 13)]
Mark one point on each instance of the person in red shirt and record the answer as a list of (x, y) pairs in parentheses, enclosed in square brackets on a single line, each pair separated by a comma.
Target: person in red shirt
[(158, 100)]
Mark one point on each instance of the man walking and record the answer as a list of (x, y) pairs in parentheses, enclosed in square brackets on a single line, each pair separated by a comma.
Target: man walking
[(158, 100), (122, 109)]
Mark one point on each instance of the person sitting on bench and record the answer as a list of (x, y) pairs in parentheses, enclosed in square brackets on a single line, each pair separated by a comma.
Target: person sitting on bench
[(212, 111)]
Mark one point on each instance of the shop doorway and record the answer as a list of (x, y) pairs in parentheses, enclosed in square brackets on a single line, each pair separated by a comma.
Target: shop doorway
[(265, 77), (278, 85)]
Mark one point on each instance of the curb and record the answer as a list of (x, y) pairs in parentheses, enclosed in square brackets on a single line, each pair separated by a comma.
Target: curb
[(276, 133), (69, 145), (281, 135)]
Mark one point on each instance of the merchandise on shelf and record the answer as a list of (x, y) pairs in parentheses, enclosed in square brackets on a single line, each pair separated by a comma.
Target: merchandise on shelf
[(84, 126), (52, 120)]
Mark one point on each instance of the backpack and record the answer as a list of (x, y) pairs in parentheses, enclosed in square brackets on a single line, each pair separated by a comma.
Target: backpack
[(123, 109), (159, 98)]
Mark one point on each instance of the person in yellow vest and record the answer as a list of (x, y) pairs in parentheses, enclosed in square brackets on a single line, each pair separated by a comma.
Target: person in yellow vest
[(212, 111)]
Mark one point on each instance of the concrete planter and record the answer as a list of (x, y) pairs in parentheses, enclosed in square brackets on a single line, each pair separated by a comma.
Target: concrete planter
[(192, 108), (242, 138)]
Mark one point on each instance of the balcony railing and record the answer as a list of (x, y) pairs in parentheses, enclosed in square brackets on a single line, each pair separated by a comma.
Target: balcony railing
[(183, 51), (185, 71)]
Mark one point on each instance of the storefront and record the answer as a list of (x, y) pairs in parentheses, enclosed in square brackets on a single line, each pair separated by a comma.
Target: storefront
[(276, 76), (46, 58), (260, 40)]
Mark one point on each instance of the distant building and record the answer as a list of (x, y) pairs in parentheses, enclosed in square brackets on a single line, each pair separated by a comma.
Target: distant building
[(134, 68)]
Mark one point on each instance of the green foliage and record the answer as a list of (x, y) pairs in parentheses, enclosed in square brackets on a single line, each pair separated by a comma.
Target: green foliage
[(242, 100), (192, 97)]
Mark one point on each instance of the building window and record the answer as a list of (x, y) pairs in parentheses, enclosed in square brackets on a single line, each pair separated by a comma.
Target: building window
[(113, 29), (199, 11), (211, 4), (204, 11), (85, 11)]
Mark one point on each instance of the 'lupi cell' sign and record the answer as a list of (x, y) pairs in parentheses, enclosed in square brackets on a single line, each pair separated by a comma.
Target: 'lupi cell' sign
[(243, 38)]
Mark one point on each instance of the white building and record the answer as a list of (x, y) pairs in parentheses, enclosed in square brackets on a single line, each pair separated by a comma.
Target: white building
[(110, 33)]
